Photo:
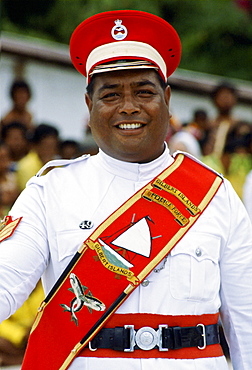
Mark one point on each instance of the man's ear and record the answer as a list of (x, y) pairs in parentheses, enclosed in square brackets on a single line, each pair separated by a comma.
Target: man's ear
[(88, 102), (167, 94)]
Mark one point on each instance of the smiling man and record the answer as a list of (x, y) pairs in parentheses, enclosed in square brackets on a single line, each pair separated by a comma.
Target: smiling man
[(129, 114), (139, 251)]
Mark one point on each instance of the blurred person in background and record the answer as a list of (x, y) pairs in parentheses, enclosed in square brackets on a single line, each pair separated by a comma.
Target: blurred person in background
[(69, 149), (44, 147), (224, 98), (227, 147), (237, 157), (15, 136), (236, 160), (199, 127), (184, 140), (8, 182), (15, 330), (20, 94)]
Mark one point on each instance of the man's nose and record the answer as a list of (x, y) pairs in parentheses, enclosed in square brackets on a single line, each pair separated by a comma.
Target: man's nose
[(129, 105)]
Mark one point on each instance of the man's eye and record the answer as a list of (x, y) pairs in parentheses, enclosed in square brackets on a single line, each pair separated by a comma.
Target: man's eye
[(145, 93), (109, 96)]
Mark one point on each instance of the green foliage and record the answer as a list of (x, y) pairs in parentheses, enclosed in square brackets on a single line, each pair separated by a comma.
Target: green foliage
[(216, 35)]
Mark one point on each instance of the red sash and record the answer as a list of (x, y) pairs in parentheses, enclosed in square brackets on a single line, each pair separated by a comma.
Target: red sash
[(115, 259)]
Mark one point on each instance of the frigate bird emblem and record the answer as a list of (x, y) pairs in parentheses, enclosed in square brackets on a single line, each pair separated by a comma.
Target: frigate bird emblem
[(83, 297)]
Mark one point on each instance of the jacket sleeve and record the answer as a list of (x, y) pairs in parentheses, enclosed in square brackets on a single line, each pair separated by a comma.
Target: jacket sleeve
[(236, 283), (24, 255)]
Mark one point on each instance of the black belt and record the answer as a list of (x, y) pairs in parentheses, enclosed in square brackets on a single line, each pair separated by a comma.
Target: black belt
[(163, 338)]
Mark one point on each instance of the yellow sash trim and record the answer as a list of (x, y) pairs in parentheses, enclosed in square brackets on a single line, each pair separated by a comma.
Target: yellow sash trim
[(179, 217), (192, 208)]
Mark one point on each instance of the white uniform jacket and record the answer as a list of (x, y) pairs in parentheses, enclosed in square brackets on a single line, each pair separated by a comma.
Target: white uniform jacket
[(191, 283), (247, 194)]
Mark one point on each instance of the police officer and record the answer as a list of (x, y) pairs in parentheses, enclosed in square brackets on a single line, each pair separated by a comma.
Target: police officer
[(171, 317)]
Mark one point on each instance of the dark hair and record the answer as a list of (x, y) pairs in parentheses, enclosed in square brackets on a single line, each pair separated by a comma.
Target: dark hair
[(68, 142), (237, 138), (2, 144), (13, 125), (19, 84), (42, 131), (90, 86), (200, 113), (163, 83), (224, 85)]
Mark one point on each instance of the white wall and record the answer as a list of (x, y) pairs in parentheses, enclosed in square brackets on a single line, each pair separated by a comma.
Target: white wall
[(58, 98)]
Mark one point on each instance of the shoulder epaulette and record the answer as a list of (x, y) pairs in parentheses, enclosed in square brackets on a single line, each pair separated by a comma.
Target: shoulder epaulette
[(61, 163)]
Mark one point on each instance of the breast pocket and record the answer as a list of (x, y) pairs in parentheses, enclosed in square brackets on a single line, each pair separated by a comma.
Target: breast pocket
[(194, 268), (69, 242)]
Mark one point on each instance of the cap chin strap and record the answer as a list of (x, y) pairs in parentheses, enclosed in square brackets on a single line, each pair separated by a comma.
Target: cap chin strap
[(124, 50)]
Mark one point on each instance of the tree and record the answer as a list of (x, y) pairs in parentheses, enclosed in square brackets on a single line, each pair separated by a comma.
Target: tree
[(216, 34)]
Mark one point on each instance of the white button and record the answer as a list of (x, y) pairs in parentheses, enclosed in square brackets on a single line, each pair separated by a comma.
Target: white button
[(198, 252), (145, 283)]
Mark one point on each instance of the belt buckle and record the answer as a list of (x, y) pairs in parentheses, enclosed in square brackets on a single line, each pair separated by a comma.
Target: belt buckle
[(132, 338), (146, 338), (160, 344), (203, 335)]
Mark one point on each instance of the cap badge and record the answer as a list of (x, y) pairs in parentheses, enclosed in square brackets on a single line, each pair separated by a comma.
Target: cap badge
[(119, 31)]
